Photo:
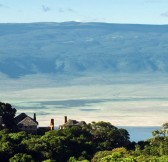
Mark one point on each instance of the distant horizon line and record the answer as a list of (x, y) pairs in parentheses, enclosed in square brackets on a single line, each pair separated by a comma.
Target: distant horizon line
[(89, 22)]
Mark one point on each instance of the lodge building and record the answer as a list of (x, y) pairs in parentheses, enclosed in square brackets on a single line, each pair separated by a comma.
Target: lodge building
[(25, 123)]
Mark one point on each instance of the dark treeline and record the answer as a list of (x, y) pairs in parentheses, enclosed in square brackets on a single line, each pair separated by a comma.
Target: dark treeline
[(97, 142)]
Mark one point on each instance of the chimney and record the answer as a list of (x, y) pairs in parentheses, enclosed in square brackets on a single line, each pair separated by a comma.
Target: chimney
[(52, 124), (65, 119), (35, 116)]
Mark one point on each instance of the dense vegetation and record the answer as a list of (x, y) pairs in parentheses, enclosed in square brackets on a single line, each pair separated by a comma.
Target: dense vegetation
[(7, 112), (60, 145), (95, 142)]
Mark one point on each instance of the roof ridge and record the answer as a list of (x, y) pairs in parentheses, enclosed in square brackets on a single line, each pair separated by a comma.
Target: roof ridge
[(29, 118)]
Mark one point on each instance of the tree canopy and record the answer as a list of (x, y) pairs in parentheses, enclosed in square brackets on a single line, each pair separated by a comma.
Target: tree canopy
[(8, 113), (96, 142)]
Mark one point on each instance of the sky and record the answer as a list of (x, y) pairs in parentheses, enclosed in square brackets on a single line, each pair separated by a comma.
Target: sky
[(110, 11)]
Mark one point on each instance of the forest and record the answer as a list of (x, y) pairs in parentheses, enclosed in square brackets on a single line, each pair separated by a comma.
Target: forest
[(94, 142)]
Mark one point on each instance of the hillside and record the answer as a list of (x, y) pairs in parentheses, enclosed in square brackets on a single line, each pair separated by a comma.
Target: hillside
[(82, 48)]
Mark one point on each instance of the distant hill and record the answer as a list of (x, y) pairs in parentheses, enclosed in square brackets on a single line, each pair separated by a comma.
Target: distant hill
[(80, 48)]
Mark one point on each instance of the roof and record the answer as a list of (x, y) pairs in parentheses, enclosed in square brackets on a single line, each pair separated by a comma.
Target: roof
[(82, 123), (21, 117), (28, 122), (74, 123)]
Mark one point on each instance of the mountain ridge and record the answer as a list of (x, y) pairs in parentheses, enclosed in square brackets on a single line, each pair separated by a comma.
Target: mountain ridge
[(76, 48)]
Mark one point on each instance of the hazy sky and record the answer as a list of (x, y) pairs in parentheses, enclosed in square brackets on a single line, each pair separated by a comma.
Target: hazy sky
[(113, 11)]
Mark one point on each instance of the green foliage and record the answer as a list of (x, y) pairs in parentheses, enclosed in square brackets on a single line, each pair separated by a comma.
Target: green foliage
[(125, 157), (49, 160), (20, 157), (17, 137), (38, 147), (76, 144), (6, 147), (112, 158), (8, 113), (165, 126), (60, 145), (73, 159), (99, 155), (160, 141), (163, 132), (107, 136), (121, 150), (153, 150), (151, 159)]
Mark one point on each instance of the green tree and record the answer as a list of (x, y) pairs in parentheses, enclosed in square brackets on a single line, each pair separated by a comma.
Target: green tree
[(77, 142), (49, 160), (8, 113), (99, 155), (21, 157), (107, 136), (17, 137), (37, 147), (165, 129), (7, 148), (163, 132)]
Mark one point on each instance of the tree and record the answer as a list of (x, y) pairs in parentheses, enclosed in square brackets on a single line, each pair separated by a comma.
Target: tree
[(99, 155), (107, 136), (8, 113), (165, 128), (49, 160), (163, 132), (20, 157), (77, 142)]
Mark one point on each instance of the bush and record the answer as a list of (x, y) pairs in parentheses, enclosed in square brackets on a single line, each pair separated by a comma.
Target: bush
[(20, 157)]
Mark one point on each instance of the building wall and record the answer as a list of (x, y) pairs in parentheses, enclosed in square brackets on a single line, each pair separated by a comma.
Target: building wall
[(29, 129)]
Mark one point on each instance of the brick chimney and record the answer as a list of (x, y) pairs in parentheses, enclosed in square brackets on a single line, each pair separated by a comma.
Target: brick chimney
[(65, 119), (52, 124)]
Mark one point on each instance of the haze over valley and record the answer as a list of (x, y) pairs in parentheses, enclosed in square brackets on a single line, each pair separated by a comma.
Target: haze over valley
[(87, 71)]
